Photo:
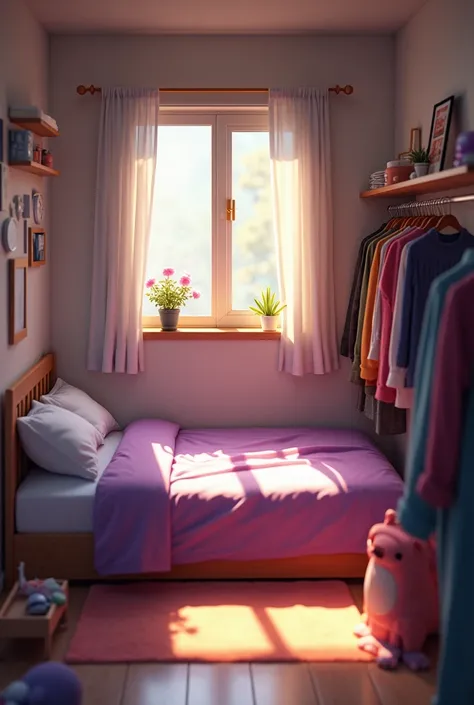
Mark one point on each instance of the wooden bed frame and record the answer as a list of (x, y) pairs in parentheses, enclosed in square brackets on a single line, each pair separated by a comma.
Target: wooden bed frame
[(71, 556)]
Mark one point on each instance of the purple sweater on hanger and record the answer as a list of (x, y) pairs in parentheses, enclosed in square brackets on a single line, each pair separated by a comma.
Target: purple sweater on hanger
[(452, 380), (428, 257)]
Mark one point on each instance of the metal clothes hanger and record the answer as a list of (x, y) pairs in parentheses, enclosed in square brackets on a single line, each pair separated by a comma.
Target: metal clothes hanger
[(408, 219), (394, 218), (448, 224), (431, 216)]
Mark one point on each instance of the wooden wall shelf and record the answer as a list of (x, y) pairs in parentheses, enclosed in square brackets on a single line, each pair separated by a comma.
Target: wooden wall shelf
[(36, 125), (35, 168), (446, 180)]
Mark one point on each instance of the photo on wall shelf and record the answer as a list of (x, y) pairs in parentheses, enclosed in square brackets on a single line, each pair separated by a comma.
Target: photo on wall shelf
[(17, 300), (37, 247), (439, 134)]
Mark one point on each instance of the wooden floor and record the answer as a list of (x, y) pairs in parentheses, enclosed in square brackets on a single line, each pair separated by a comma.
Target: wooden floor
[(234, 684)]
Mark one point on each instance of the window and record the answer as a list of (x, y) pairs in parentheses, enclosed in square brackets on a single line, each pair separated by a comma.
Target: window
[(206, 161)]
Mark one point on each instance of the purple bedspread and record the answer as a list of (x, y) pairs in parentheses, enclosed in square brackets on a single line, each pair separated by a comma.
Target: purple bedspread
[(242, 494), (132, 530), (251, 494)]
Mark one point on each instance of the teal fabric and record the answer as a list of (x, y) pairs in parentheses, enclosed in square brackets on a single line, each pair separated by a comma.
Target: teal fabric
[(417, 517), (456, 581)]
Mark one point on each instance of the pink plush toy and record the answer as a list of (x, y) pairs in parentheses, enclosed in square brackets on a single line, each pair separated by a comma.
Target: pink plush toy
[(400, 596)]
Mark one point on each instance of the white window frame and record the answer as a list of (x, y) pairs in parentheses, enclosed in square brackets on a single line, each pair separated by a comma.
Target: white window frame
[(223, 123)]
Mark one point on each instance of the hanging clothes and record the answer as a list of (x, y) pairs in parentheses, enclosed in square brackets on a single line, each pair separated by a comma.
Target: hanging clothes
[(368, 369), (440, 479), (374, 349), (395, 268), (454, 373), (388, 291), (386, 419), (448, 482), (361, 321), (397, 375), (368, 259), (428, 257), (415, 514), (352, 315)]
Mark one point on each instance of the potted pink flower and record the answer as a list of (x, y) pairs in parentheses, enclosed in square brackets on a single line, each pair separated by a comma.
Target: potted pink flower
[(169, 295)]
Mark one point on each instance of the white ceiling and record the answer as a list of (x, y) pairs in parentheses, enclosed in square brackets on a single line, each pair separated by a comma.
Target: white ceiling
[(223, 16)]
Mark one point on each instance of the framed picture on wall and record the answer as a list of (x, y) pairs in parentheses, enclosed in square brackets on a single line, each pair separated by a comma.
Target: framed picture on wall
[(439, 133), (37, 247), (415, 143), (415, 139), (17, 303)]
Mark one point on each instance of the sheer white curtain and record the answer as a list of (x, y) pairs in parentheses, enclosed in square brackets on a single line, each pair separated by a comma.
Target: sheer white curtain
[(126, 165), (301, 182)]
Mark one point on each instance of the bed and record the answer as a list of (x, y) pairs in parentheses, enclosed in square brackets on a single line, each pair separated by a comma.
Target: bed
[(242, 503)]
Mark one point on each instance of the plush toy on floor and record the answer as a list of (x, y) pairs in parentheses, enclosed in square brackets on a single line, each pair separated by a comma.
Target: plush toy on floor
[(400, 596), (40, 593), (47, 684)]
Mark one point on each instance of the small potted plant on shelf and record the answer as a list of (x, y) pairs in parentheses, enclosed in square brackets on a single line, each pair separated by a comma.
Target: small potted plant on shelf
[(169, 295), (421, 161), (268, 309)]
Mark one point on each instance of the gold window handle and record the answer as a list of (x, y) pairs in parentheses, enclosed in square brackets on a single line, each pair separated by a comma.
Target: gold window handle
[(230, 210)]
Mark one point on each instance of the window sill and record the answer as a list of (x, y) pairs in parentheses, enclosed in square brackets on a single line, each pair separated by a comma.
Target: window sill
[(210, 334)]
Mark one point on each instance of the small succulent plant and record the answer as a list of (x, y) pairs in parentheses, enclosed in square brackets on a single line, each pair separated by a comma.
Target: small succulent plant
[(266, 304), (420, 156)]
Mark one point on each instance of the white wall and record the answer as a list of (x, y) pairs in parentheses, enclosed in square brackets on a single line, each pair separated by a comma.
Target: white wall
[(210, 383), (24, 58), (435, 59)]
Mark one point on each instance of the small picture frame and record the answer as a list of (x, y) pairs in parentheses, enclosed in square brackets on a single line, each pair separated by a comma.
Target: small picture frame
[(37, 247), (415, 139), (439, 134), (415, 143), (17, 300)]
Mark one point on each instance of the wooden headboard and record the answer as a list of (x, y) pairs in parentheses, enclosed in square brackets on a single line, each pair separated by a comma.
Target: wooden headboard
[(17, 402)]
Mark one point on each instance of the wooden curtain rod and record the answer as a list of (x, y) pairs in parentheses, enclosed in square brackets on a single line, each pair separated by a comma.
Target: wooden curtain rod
[(82, 90)]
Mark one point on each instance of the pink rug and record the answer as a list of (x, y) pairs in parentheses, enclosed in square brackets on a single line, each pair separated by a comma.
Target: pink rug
[(214, 622)]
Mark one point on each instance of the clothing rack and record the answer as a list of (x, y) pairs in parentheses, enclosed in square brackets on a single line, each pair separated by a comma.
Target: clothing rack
[(434, 206), (345, 90)]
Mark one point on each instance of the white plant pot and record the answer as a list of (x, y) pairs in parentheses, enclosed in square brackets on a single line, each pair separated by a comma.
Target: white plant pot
[(421, 169), (269, 322)]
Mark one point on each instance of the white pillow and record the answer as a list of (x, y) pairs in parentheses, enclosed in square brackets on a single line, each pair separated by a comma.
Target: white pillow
[(68, 397), (59, 441)]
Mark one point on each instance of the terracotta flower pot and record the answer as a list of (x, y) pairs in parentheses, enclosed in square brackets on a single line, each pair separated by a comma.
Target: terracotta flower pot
[(169, 318)]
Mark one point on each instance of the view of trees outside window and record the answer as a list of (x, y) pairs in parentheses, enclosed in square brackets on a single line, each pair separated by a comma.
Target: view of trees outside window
[(253, 242), (181, 226), (181, 232)]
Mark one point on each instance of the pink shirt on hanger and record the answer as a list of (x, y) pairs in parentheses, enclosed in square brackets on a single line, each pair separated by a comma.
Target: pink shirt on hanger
[(388, 290), (397, 375)]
